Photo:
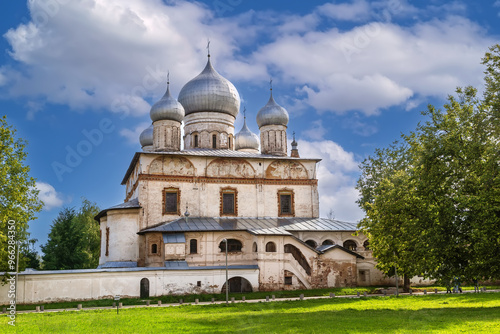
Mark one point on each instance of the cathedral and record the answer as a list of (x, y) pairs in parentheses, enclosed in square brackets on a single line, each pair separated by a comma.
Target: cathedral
[(197, 198)]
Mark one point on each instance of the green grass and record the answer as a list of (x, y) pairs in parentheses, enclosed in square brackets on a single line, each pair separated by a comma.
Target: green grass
[(170, 299), (457, 313), (203, 297)]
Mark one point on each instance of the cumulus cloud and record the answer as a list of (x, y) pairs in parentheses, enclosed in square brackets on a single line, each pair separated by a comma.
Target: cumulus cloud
[(356, 10), (132, 135), (114, 54), (49, 196), (316, 131), (337, 174)]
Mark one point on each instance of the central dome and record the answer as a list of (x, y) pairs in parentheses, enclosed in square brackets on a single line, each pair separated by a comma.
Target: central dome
[(210, 91)]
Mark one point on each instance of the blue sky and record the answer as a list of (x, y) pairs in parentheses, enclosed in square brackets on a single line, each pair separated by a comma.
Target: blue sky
[(353, 76)]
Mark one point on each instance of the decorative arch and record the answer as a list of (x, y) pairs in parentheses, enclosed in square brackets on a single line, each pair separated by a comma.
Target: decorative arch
[(230, 168), (328, 242), (350, 245), (312, 243), (172, 165), (233, 245), (238, 284), (271, 247), (282, 169), (144, 288), (299, 257)]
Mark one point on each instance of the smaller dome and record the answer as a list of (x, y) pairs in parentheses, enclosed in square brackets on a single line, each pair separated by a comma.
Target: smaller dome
[(167, 108), (146, 137), (272, 114), (246, 139)]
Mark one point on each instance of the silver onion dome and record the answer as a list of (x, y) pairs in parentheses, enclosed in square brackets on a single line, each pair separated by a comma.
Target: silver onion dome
[(146, 137), (272, 114), (167, 108), (246, 139), (210, 91)]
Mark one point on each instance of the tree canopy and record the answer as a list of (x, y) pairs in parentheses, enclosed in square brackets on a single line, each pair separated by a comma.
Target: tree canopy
[(73, 239), (432, 200), (19, 201)]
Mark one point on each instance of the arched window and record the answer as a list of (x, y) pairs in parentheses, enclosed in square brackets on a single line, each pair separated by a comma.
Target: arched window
[(154, 249), (193, 246), (271, 247), (214, 141), (312, 243), (328, 242), (254, 247), (366, 244), (233, 245), (195, 140), (350, 245)]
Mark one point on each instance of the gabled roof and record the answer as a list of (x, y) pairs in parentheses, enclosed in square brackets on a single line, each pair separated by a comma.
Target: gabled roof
[(327, 248), (132, 204), (263, 226)]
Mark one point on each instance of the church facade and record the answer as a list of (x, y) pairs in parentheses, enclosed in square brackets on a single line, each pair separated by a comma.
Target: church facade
[(194, 201)]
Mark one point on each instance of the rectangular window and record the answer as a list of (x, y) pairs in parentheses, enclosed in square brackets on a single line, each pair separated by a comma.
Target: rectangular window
[(228, 203), (171, 198), (171, 202), (288, 280), (107, 241), (214, 141), (286, 204)]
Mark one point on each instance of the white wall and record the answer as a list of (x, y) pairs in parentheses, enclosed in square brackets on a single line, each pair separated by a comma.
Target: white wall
[(66, 285)]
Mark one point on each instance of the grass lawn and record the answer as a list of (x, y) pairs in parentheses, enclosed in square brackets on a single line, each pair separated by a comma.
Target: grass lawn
[(457, 313), (171, 299)]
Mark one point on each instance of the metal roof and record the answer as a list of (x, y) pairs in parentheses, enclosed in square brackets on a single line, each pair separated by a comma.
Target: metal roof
[(132, 204), (118, 264), (262, 226), (174, 238)]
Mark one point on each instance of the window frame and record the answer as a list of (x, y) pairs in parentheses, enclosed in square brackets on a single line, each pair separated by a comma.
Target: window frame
[(286, 192), (214, 141), (228, 190), (195, 246), (222, 246), (171, 190), (270, 247)]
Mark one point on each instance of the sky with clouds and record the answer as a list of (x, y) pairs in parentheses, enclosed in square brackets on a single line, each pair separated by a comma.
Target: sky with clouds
[(77, 78)]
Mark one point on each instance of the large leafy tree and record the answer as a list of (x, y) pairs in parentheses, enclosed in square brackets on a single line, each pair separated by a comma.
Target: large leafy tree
[(19, 201), (432, 202), (73, 239)]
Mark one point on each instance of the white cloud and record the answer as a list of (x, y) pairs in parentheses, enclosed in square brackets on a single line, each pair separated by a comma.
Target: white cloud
[(316, 131), (337, 174), (132, 136), (357, 10), (114, 54), (49, 196)]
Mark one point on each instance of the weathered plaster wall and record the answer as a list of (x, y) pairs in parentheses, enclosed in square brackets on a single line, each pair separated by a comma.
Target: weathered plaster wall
[(96, 284)]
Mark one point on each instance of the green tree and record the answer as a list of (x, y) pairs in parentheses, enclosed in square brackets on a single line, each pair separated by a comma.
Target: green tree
[(73, 239), (19, 201), (432, 202)]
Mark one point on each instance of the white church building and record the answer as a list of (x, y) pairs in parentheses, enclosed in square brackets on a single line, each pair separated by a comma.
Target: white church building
[(184, 206), (189, 197)]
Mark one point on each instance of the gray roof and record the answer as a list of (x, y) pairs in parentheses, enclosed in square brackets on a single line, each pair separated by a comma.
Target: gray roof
[(132, 204), (208, 152), (118, 264), (174, 238), (263, 226), (121, 269)]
